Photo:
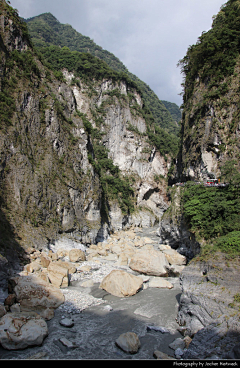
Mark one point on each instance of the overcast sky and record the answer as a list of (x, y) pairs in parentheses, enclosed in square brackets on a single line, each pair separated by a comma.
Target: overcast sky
[(148, 36)]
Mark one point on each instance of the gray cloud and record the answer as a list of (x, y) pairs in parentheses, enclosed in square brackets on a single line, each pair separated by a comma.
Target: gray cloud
[(148, 36)]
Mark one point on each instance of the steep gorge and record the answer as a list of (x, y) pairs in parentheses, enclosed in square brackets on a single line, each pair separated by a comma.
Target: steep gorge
[(76, 158)]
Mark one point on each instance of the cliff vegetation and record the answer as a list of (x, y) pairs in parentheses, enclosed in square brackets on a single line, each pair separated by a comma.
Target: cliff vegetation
[(210, 124), (79, 150), (46, 30), (213, 215)]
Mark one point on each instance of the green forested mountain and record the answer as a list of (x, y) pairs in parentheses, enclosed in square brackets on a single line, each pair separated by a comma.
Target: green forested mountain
[(215, 54), (173, 109), (46, 30)]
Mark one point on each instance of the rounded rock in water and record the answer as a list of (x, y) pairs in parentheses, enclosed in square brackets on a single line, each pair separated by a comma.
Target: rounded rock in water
[(66, 322)]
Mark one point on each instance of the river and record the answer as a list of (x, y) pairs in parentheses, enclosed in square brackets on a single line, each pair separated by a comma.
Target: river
[(96, 328)]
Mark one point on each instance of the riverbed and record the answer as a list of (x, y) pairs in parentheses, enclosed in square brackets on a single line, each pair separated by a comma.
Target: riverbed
[(97, 325)]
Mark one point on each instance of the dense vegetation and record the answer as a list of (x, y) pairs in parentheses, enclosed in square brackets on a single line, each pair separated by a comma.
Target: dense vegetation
[(211, 211), (214, 55), (174, 110), (26, 68), (164, 142), (84, 65), (46, 30), (213, 214), (12, 14)]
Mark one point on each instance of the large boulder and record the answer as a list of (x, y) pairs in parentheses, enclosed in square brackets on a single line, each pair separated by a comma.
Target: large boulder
[(76, 255), (35, 294), (174, 258), (32, 267), (121, 283), (70, 266), (58, 275), (150, 262), (20, 330), (45, 260)]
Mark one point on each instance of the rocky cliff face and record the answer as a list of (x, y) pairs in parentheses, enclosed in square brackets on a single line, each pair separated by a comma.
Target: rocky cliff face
[(173, 229), (209, 304), (49, 139), (210, 120), (210, 129), (209, 308)]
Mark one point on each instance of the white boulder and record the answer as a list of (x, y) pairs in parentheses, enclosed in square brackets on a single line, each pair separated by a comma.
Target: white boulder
[(20, 330), (35, 294)]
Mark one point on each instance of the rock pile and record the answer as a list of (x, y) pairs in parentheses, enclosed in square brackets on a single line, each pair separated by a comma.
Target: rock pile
[(142, 254), (54, 268), (124, 248), (31, 301)]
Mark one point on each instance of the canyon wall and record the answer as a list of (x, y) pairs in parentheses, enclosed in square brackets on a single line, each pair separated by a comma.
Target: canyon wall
[(53, 133)]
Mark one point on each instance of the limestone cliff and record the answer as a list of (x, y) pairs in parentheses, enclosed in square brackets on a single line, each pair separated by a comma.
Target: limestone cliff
[(210, 120), (174, 229), (210, 130), (74, 157)]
